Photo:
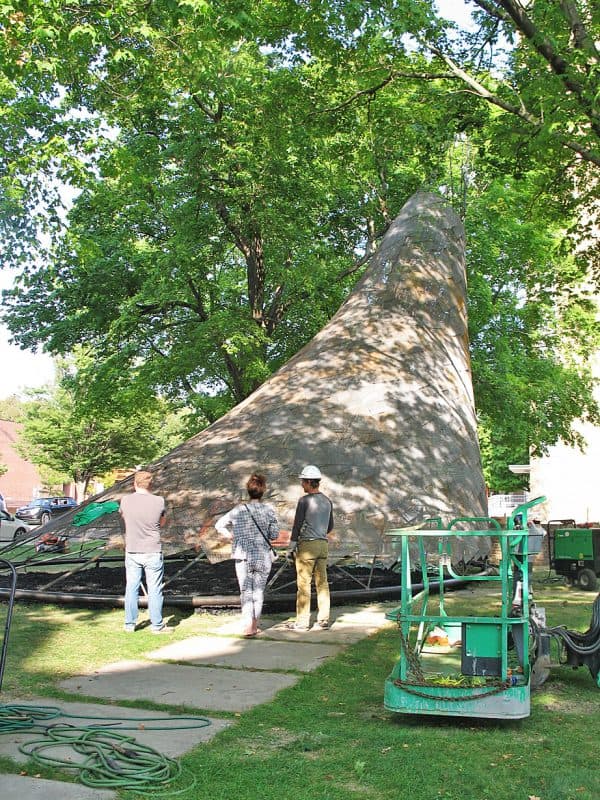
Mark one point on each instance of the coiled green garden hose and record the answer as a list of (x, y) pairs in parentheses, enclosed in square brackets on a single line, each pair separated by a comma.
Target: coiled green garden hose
[(112, 760)]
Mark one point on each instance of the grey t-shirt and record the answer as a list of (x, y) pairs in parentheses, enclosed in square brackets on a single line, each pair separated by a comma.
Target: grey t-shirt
[(314, 518), (141, 514)]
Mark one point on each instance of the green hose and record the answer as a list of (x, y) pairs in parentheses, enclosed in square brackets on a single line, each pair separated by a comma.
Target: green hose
[(112, 760), (24, 718)]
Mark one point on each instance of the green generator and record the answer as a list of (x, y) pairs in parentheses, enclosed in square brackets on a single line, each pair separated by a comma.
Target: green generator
[(575, 553)]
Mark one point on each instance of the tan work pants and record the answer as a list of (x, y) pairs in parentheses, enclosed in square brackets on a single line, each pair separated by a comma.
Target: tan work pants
[(311, 559)]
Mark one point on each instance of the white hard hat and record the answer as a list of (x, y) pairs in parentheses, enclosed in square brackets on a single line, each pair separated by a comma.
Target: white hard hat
[(311, 473)]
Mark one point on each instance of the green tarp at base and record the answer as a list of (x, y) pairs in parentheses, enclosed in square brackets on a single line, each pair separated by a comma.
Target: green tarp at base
[(93, 511)]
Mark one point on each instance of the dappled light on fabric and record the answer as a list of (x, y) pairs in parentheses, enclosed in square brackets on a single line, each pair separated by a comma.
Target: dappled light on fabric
[(381, 399)]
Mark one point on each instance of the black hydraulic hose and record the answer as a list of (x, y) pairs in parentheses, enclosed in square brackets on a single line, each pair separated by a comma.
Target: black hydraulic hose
[(11, 602), (116, 601), (586, 643)]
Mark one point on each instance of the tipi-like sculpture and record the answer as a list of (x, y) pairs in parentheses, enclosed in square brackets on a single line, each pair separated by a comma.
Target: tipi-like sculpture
[(381, 400)]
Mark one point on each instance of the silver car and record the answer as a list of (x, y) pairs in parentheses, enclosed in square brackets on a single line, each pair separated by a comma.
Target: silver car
[(12, 529)]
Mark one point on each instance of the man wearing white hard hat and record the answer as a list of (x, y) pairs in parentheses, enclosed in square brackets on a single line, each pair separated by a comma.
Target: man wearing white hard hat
[(312, 523)]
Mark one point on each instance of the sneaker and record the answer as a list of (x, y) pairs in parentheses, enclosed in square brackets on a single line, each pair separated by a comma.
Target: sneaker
[(162, 629), (293, 626), (129, 628), (321, 626)]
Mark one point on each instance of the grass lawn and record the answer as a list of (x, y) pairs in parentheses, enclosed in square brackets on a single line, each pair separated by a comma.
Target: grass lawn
[(328, 737)]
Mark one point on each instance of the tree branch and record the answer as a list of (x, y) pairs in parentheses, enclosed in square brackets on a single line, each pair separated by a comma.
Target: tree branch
[(520, 111), (493, 11), (216, 116), (581, 37), (544, 47), (200, 309), (276, 310), (252, 250), (372, 90), (152, 308), (356, 266)]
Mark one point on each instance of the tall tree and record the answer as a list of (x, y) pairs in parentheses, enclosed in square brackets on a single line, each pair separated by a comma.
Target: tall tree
[(532, 329), (237, 162), (228, 201)]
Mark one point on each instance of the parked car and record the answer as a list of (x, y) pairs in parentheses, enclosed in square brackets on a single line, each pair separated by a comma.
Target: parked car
[(11, 528), (42, 510)]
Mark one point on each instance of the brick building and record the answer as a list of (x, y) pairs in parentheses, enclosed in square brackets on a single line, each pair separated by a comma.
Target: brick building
[(22, 482)]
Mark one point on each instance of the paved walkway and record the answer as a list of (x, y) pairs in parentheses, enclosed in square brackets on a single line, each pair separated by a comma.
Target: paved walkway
[(208, 674)]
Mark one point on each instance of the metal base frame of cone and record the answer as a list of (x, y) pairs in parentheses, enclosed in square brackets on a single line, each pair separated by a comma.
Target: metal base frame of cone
[(275, 597)]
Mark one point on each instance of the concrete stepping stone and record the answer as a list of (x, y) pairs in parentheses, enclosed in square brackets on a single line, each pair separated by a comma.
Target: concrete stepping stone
[(26, 788), (255, 653), (207, 688), (348, 624), (118, 719)]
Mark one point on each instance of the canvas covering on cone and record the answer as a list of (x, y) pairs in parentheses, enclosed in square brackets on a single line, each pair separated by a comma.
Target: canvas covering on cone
[(380, 400)]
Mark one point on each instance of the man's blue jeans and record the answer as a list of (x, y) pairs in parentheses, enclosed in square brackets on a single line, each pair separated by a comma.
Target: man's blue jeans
[(150, 564)]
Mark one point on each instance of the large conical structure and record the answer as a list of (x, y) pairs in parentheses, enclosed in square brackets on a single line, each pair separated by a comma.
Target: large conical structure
[(380, 400)]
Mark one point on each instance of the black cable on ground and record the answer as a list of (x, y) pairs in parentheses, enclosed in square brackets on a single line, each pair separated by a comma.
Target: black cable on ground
[(550, 578), (581, 643)]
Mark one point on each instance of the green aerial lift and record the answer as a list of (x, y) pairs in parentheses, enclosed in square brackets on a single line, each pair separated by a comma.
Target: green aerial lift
[(495, 660)]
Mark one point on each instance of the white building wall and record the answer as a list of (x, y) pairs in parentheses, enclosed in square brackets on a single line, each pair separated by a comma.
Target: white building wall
[(569, 478)]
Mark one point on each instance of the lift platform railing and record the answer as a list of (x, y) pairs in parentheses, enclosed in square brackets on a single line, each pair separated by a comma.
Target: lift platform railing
[(416, 619)]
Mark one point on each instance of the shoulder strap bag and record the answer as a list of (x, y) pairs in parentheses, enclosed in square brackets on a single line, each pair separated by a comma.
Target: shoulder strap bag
[(271, 548)]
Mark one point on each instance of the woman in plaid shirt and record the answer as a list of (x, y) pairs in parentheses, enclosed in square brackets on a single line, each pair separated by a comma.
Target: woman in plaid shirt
[(251, 526)]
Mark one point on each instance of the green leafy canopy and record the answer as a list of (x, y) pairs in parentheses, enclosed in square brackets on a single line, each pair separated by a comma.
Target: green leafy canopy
[(233, 165)]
